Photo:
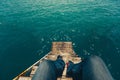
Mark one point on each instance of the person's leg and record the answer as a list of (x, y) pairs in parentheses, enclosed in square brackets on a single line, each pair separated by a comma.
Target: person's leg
[(74, 71), (93, 68), (77, 72), (46, 71), (60, 64)]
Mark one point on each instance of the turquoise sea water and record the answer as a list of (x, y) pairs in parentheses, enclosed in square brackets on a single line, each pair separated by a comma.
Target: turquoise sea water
[(27, 28)]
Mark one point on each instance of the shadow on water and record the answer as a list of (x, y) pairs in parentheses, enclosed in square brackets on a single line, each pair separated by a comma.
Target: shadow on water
[(19, 52)]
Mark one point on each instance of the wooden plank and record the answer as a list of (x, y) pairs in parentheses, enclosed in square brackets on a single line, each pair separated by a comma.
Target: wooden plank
[(24, 78), (34, 68)]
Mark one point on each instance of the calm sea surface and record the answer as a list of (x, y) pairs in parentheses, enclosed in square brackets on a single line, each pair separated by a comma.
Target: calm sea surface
[(27, 28)]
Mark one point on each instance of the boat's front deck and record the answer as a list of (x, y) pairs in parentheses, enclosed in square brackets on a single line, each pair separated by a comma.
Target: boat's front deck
[(58, 48)]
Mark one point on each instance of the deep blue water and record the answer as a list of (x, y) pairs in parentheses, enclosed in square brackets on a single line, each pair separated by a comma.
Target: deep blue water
[(27, 28)]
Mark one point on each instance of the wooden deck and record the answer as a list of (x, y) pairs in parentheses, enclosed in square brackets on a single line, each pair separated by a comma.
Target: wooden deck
[(58, 48)]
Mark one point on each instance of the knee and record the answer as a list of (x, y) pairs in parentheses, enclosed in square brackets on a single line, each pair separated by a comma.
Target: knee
[(94, 59), (92, 62), (94, 66), (45, 71), (45, 64)]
